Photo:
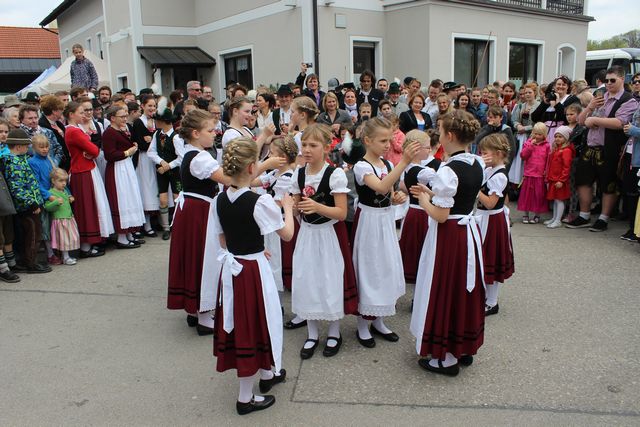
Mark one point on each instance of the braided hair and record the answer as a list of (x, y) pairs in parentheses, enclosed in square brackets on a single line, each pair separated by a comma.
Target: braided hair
[(238, 154), (288, 147), (462, 124), (192, 121), (306, 105)]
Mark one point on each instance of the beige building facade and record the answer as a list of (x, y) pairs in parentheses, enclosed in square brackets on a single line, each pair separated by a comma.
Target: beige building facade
[(264, 41)]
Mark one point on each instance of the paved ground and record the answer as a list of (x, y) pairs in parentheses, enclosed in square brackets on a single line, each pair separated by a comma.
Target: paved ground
[(93, 345)]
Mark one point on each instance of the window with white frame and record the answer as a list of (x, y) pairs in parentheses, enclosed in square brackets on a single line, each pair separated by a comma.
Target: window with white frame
[(366, 54), (471, 61), (66, 53), (88, 46), (567, 61), (122, 81), (99, 45), (238, 67), (523, 63)]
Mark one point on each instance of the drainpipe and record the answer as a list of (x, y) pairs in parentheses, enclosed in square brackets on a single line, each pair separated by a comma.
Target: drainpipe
[(316, 49)]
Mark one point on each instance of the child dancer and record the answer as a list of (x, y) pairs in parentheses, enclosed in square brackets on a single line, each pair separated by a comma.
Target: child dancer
[(42, 165), (303, 113), (535, 154), (376, 252), (7, 211), (493, 218), (415, 224), (323, 285), (558, 174), (64, 230), (248, 325), (448, 314), (192, 281)]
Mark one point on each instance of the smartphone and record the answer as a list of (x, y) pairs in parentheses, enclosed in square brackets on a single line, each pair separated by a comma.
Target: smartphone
[(599, 93), (309, 64)]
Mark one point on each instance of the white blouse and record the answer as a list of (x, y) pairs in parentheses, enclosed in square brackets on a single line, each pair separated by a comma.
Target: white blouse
[(203, 164), (337, 181), (266, 213), (362, 169), (445, 183), (496, 183), (281, 186)]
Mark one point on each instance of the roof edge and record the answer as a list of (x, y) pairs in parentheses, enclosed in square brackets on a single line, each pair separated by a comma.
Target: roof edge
[(62, 7)]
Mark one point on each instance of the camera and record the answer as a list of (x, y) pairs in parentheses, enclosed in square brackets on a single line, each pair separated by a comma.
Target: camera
[(551, 95), (309, 64)]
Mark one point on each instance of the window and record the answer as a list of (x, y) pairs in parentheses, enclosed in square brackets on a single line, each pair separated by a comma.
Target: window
[(567, 61), (364, 57), (66, 53), (238, 67), (99, 42), (523, 63), (122, 81), (88, 46), (471, 62)]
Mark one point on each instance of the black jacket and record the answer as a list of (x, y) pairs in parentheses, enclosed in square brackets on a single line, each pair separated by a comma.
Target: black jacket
[(65, 162), (408, 121), (375, 96)]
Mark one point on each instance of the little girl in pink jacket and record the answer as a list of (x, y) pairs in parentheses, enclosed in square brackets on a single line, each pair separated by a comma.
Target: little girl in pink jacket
[(533, 193)]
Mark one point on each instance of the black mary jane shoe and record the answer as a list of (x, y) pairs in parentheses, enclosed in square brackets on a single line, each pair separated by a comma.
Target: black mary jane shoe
[(9, 277), (137, 235), (150, 233), (265, 385), (203, 330), (391, 336), (307, 353), (450, 371), (138, 241), (488, 310), (192, 321), (129, 245), (91, 253), (332, 351), (369, 343), (252, 406), (465, 360), (291, 325), (166, 235)]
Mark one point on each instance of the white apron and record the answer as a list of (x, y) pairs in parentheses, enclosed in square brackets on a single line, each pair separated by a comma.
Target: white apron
[(272, 244), (517, 167), (146, 172), (102, 204), (129, 199)]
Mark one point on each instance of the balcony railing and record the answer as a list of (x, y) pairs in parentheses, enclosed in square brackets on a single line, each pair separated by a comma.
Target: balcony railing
[(569, 7)]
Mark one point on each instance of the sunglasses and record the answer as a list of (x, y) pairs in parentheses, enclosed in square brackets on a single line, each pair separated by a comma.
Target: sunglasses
[(611, 81), (636, 82)]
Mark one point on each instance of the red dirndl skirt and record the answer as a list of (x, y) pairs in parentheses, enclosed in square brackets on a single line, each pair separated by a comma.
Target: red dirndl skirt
[(112, 195), (455, 318), (497, 250), (85, 209), (350, 285), (286, 249), (186, 254), (248, 347), (554, 193), (414, 231)]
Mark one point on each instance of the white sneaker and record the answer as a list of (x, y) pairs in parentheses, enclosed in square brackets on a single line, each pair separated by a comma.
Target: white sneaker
[(70, 261), (547, 222), (556, 224)]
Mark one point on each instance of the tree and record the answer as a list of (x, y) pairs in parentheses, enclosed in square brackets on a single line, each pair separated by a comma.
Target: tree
[(628, 39)]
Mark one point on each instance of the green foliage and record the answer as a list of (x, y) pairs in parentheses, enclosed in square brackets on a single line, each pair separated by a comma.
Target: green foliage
[(628, 39)]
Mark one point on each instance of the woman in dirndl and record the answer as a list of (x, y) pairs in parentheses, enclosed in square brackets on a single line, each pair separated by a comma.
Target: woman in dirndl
[(91, 207), (143, 130), (248, 320), (121, 181), (448, 312)]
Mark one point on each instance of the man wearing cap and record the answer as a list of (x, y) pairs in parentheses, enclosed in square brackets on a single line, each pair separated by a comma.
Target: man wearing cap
[(333, 85), (394, 97), (32, 98), (281, 116), (11, 101), (451, 89), (27, 199), (367, 93)]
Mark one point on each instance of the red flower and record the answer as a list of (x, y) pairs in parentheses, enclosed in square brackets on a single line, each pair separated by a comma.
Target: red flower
[(265, 185), (382, 175), (308, 191)]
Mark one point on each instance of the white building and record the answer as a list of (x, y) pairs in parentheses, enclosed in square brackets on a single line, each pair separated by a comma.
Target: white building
[(264, 41)]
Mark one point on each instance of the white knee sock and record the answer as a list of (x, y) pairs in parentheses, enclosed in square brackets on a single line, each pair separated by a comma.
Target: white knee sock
[(492, 294), (85, 247), (334, 331), (363, 328), (380, 326), (448, 360), (122, 239), (558, 210), (312, 331), (147, 222), (164, 218), (205, 319), (47, 245), (246, 390), (297, 319), (65, 255), (266, 374)]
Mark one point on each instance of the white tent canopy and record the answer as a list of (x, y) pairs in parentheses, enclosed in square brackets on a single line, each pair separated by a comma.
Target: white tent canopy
[(61, 78), (22, 93)]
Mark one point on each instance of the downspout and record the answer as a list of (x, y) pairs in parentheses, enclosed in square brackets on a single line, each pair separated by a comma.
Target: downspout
[(316, 49)]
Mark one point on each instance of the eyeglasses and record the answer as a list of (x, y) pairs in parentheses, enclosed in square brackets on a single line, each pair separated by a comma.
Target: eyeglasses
[(611, 81), (636, 82), (197, 90), (121, 117), (87, 110)]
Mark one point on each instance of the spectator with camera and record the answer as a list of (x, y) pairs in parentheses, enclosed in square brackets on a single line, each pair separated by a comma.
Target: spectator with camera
[(311, 84), (551, 109)]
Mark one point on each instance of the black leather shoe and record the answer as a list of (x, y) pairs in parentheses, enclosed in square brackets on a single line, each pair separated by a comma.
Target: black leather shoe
[(137, 235), (150, 233), (203, 330), (166, 235), (38, 269), (370, 343), (391, 336), (450, 371), (192, 321), (307, 353), (332, 351), (265, 385), (252, 406), (465, 360), (92, 253), (291, 325), (138, 241), (129, 245), (488, 311), (9, 277)]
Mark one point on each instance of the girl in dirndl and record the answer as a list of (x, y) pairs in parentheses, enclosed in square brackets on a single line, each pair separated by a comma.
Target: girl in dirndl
[(64, 230), (416, 222), (376, 252), (248, 322), (533, 193), (323, 284), (91, 208), (448, 312), (143, 130), (493, 218), (193, 269), (121, 181)]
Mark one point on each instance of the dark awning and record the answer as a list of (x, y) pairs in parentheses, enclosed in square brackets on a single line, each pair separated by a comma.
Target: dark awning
[(26, 65), (174, 56)]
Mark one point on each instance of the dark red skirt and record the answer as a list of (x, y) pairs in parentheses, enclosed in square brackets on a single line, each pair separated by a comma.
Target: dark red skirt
[(85, 209), (414, 231), (350, 285), (186, 254), (497, 250), (248, 347), (286, 249), (112, 195), (455, 317)]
